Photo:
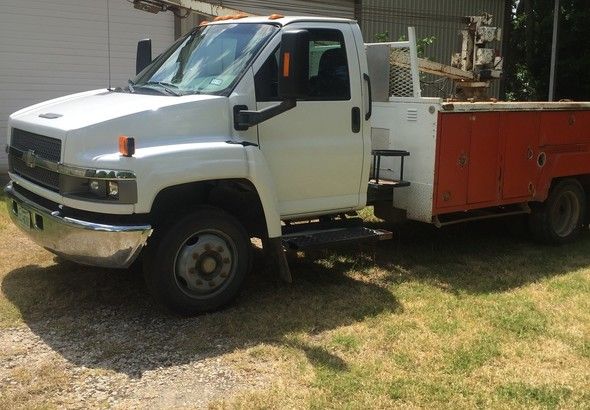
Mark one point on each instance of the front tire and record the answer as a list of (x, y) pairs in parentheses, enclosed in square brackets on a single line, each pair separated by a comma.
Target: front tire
[(199, 263), (561, 217)]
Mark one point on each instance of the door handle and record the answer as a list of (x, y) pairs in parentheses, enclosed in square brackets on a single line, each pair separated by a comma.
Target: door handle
[(370, 112), (356, 119)]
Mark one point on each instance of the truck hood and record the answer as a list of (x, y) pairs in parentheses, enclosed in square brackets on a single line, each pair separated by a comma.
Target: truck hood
[(89, 123), (81, 110)]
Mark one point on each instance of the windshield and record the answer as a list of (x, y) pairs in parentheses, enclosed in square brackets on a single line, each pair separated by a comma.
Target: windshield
[(207, 61)]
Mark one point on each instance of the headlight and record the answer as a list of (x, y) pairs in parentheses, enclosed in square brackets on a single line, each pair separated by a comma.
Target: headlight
[(113, 190), (96, 187), (103, 190)]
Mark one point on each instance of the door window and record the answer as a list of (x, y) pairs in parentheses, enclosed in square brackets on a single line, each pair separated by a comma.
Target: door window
[(328, 69)]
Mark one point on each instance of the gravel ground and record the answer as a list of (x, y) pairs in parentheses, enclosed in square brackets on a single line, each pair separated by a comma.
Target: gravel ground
[(81, 337), (131, 379), (79, 376)]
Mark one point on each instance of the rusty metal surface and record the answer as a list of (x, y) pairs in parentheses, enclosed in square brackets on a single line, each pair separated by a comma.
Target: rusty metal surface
[(514, 106), (439, 69)]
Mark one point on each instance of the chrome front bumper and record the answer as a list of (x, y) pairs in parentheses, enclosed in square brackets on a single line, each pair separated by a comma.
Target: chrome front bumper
[(88, 243)]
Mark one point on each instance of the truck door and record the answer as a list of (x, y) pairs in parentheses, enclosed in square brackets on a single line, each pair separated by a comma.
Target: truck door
[(315, 151)]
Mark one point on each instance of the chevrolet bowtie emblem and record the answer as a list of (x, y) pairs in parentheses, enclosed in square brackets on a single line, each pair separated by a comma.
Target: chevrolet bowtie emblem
[(29, 158)]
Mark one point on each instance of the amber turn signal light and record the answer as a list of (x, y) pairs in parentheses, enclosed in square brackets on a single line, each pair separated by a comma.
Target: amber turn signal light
[(286, 64), (126, 146)]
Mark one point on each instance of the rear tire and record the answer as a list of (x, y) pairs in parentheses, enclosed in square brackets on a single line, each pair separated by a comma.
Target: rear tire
[(199, 263), (561, 217)]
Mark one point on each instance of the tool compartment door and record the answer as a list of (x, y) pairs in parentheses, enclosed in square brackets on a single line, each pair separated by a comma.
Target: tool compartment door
[(452, 160), (484, 158), (520, 131)]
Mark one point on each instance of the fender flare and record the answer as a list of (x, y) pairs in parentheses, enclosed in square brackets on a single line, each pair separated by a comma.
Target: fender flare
[(261, 178), (247, 163)]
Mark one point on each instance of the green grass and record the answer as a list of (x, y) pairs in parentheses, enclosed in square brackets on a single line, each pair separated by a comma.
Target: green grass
[(544, 396), (473, 355), (469, 316), (519, 316)]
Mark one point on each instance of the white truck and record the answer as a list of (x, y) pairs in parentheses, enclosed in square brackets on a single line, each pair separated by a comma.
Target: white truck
[(243, 128)]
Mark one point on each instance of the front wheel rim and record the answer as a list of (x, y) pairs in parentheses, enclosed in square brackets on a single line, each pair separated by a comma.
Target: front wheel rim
[(565, 214), (205, 264)]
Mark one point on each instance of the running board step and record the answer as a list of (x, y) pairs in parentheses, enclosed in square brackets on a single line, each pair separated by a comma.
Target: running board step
[(334, 237)]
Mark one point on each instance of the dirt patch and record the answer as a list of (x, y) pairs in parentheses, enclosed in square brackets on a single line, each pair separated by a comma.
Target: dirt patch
[(33, 372)]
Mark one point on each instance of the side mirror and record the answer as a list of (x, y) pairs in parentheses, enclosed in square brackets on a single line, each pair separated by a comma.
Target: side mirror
[(293, 81), (144, 55), (294, 65)]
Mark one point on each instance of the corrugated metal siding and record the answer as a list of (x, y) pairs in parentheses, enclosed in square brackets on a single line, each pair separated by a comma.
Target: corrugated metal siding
[(128, 26), (439, 18), (331, 8), (53, 48)]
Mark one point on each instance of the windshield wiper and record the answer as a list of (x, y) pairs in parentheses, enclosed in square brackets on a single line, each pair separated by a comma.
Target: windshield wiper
[(169, 88), (130, 85)]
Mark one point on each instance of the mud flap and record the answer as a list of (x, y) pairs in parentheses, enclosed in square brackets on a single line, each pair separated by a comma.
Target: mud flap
[(275, 249)]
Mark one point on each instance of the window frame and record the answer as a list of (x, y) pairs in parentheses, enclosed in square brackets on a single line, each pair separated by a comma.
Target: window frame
[(341, 39)]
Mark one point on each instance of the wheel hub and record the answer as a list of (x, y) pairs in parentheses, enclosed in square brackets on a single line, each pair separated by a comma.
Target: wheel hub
[(565, 214), (204, 263), (208, 265)]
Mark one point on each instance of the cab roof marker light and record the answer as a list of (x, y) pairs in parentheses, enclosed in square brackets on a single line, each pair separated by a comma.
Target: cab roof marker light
[(126, 146), (275, 16), (203, 23)]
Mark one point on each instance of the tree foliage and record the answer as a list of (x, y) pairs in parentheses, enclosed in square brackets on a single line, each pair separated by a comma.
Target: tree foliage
[(529, 50)]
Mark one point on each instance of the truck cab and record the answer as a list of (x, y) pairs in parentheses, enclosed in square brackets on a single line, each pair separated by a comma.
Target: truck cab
[(240, 127)]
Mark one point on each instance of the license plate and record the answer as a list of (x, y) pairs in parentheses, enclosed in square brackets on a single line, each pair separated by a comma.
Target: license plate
[(23, 217)]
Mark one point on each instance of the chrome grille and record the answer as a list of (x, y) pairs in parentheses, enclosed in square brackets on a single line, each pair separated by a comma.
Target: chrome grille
[(45, 147), (44, 177)]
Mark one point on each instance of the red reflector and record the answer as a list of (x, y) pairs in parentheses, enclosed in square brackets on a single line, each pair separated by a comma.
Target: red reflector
[(126, 146)]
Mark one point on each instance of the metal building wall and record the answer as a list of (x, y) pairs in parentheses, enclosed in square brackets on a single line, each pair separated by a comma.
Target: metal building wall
[(331, 8), (439, 18)]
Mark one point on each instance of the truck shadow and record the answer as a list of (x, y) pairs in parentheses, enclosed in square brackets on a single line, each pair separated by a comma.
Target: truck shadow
[(105, 319), (478, 257)]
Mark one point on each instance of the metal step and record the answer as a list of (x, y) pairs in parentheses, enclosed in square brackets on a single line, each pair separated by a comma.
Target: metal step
[(388, 184), (334, 237), (383, 191), (321, 225)]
